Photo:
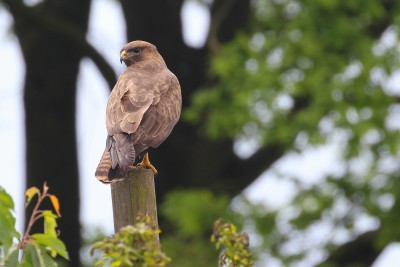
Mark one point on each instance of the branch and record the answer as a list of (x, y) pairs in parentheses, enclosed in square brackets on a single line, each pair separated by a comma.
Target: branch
[(243, 172), (358, 252), (226, 17), (59, 26), (34, 217)]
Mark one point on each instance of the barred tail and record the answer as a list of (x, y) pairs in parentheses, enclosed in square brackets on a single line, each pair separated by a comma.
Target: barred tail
[(106, 174)]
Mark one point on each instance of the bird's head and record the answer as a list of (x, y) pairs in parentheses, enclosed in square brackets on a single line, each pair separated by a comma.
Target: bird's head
[(138, 51)]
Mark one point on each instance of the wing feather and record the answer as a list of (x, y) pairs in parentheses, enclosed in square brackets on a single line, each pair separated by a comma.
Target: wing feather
[(129, 100), (144, 109), (163, 114)]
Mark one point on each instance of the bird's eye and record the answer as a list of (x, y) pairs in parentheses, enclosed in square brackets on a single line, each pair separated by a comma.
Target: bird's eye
[(136, 50)]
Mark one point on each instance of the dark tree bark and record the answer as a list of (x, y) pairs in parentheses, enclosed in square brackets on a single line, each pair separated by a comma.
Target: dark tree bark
[(52, 64)]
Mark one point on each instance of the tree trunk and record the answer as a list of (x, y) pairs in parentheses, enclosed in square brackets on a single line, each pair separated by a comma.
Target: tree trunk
[(52, 64)]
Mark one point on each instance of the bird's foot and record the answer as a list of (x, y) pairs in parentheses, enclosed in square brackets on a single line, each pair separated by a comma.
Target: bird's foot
[(146, 163)]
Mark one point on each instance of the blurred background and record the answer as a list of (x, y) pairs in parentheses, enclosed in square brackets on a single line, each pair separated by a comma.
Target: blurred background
[(290, 124)]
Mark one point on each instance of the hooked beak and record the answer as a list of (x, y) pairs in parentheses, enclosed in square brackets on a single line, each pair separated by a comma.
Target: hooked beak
[(123, 56)]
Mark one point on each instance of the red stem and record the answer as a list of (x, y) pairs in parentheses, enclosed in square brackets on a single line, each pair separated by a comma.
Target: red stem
[(33, 219)]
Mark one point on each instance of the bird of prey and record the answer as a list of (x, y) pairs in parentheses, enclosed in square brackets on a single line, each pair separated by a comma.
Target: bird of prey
[(144, 106)]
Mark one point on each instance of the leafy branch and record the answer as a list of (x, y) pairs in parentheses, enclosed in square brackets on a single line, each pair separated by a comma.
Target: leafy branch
[(38, 249), (234, 245), (133, 245), (37, 214)]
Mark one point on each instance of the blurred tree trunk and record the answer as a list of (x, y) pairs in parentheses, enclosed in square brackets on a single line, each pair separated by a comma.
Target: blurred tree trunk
[(52, 64)]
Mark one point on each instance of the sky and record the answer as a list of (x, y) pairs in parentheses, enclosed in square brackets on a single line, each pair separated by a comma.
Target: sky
[(107, 28)]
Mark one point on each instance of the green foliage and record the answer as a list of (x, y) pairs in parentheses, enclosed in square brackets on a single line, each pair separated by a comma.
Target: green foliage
[(39, 249), (307, 73), (234, 253), (189, 246), (90, 235), (314, 63), (36, 255), (7, 228), (54, 245), (200, 210), (133, 245), (189, 214)]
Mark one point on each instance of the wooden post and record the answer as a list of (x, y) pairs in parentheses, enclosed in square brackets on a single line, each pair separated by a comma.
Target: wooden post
[(135, 196)]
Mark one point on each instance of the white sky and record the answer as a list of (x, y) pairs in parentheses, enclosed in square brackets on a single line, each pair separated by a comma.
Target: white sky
[(106, 24)]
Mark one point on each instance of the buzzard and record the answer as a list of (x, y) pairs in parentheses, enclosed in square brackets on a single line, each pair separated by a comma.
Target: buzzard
[(144, 106)]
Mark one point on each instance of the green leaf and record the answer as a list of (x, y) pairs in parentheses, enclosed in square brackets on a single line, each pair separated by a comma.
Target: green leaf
[(7, 221), (50, 223), (36, 256), (12, 259), (5, 199), (7, 230), (52, 243)]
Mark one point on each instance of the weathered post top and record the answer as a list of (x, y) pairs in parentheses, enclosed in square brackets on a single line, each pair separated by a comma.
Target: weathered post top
[(134, 196)]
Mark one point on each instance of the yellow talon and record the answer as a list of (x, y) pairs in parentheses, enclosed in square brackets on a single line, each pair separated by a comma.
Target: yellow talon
[(146, 163)]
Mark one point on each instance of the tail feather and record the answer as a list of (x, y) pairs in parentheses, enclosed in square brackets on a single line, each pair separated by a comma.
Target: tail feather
[(105, 173), (118, 156), (122, 151)]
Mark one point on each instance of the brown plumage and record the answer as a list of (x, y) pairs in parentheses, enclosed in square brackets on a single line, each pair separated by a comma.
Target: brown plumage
[(144, 106)]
